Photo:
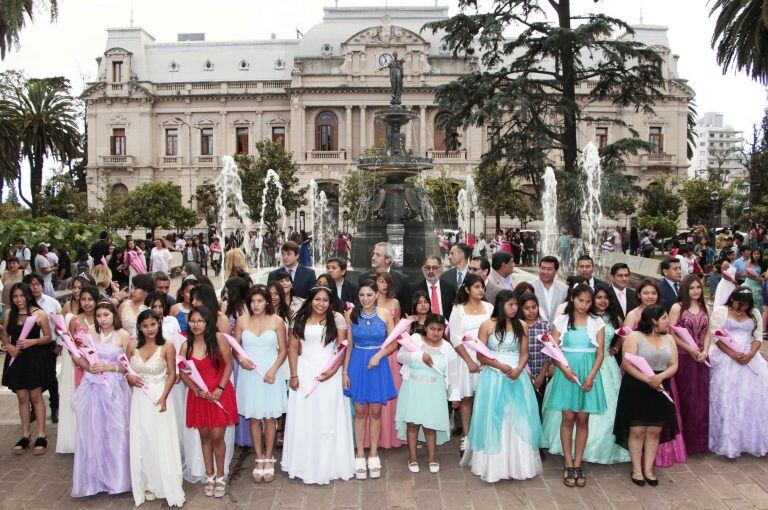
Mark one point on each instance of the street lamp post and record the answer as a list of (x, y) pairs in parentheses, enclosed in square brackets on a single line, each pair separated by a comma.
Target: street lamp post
[(714, 197)]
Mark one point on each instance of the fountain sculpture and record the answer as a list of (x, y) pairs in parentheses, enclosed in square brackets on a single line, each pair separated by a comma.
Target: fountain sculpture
[(396, 211)]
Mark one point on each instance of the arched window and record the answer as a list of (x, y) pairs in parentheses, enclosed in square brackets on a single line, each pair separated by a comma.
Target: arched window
[(440, 144), (326, 132), (119, 189)]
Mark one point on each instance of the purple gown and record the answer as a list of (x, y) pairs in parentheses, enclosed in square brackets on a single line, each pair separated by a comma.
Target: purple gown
[(102, 448), (738, 416), (692, 380)]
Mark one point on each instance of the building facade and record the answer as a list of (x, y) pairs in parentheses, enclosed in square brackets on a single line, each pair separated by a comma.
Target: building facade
[(718, 147), (168, 111)]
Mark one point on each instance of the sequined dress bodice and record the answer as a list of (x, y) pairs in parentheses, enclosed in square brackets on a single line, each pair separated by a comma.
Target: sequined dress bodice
[(154, 370)]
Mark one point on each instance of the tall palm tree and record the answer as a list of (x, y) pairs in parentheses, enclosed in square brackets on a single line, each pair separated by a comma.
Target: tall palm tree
[(13, 18), (741, 36), (45, 118), (9, 151)]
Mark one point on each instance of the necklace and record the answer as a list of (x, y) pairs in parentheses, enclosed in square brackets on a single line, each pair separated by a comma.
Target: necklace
[(106, 339), (368, 317), (85, 319)]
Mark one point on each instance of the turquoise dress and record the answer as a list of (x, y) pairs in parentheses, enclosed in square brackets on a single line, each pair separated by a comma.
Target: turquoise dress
[(564, 394), (506, 434), (422, 398), (255, 398), (601, 444)]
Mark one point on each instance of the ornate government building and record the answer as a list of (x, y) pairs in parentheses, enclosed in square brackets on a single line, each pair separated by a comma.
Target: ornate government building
[(168, 111)]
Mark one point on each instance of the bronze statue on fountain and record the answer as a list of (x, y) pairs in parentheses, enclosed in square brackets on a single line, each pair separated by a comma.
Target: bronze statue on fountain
[(396, 210)]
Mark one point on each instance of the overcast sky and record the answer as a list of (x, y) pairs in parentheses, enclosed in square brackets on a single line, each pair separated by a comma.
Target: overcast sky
[(69, 46)]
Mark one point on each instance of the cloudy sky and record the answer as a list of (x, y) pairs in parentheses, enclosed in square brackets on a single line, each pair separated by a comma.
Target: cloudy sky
[(69, 46)]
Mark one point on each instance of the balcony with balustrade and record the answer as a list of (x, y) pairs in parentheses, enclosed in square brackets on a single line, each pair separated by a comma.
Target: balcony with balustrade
[(326, 156), (170, 160), (121, 161), (447, 156)]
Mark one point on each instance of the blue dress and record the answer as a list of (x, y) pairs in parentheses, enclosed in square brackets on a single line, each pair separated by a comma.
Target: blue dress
[(505, 435), (601, 444), (255, 398), (564, 394), (373, 386)]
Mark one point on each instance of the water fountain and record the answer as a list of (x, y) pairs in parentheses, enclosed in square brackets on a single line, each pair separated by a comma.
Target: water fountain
[(462, 211), (274, 178), (591, 210), (396, 210), (229, 189), (549, 206)]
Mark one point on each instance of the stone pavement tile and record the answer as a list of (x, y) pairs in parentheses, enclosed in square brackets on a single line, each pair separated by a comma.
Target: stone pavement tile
[(426, 482), (49, 494), (736, 476), (738, 504), (484, 498), (454, 494), (670, 490), (594, 497), (346, 494), (649, 498), (291, 495), (16, 474), (542, 498), (699, 466), (377, 484), (397, 476), (751, 466), (316, 499), (400, 494), (702, 496), (452, 475), (722, 488), (510, 494), (754, 494), (682, 477), (617, 490), (428, 500), (371, 500)]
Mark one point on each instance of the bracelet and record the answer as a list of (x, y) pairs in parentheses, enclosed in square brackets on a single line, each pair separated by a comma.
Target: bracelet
[(344, 373), (294, 377), (219, 387)]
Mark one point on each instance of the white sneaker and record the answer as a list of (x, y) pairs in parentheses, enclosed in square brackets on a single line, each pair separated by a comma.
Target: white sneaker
[(463, 445), (434, 467), (413, 467)]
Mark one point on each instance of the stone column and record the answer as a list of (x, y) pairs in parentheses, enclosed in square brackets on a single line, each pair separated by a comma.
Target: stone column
[(423, 131), (222, 148), (348, 132), (259, 126), (363, 136), (303, 132)]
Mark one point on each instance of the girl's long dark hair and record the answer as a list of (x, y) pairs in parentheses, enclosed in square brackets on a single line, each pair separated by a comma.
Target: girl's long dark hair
[(237, 288), (144, 315), (206, 294), (685, 293), (462, 296), (650, 314), (743, 294), (577, 291), (184, 284), (209, 335), (612, 312), (336, 303), (92, 291), (358, 307), (501, 318), (415, 301), (31, 304), (283, 310), (107, 305), (305, 312), (264, 293)]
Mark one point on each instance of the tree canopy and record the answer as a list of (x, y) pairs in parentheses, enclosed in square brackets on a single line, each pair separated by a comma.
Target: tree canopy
[(741, 36), (153, 205), (13, 18)]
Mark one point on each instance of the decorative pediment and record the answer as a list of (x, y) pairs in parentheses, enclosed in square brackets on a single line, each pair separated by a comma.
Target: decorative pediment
[(117, 52), (241, 122), (118, 120), (385, 35), (278, 121), (205, 123), (171, 123)]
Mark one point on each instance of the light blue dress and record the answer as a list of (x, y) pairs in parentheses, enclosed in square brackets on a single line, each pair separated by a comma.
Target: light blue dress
[(601, 445), (505, 435), (255, 398)]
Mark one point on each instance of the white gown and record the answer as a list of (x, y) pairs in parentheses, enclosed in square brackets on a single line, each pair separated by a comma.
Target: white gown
[(65, 431), (155, 456), (318, 443), (725, 288), (460, 323)]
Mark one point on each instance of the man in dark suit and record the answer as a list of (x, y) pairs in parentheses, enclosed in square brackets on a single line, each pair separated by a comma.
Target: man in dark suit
[(670, 284), (381, 261), (621, 294), (337, 269), (441, 292), (303, 277), (459, 258), (585, 267)]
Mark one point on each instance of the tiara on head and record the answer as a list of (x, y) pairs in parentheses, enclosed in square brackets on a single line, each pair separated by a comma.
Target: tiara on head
[(321, 287)]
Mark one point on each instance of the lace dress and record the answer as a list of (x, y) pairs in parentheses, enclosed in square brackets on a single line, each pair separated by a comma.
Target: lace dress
[(155, 454), (692, 381)]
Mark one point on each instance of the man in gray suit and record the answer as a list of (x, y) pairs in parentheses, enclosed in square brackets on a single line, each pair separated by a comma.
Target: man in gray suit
[(481, 267), (550, 292)]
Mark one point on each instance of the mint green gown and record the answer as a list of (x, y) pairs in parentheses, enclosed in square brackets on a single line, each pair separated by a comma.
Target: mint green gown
[(601, 446)]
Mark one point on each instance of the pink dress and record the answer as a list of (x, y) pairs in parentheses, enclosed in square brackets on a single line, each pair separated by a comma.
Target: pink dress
[(388, 437), (673, 452)]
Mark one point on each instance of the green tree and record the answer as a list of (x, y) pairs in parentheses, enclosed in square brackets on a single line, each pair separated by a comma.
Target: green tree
[(499, 194), (61, 197), (151, 206), (252, 173), (443, 192), (13, 18), (526, 86), (660, 208), (45, 116), (208, 202), (741, 36), (754, 157), (356, 186)]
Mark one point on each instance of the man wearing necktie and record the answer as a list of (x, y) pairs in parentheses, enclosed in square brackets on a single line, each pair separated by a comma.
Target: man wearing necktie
[(303, 277), (670, 284), (440, 290), (459, 259)]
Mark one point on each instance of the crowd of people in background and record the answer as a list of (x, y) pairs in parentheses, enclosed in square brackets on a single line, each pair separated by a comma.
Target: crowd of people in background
[(331, 368)]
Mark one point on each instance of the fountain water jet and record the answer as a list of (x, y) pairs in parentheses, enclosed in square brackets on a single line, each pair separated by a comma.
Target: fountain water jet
[(549, 207), (229, 189), (591, 211), (280, 209)]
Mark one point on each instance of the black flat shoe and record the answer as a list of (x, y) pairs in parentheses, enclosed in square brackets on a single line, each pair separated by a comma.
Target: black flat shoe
[(652, 483), (639, 483), (54, 415)]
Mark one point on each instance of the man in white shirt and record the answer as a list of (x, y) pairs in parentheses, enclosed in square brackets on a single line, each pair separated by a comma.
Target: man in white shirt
[(24, 255), (620, 291), (49, 305), (502, 267), (45, 269), (585, 267), (459, 259), (550, 292), (441, 292)]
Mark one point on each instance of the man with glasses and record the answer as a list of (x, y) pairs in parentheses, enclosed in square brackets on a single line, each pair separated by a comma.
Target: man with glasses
[(481, 267), (440, 290)]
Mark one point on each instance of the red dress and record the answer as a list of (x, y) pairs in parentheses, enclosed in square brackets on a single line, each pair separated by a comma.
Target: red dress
[(204, 414)]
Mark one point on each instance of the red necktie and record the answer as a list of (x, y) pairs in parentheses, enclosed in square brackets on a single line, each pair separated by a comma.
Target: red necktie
[(435, 300)]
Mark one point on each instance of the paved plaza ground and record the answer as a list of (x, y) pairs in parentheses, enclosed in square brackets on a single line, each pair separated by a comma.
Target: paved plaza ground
[(43, 482)]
